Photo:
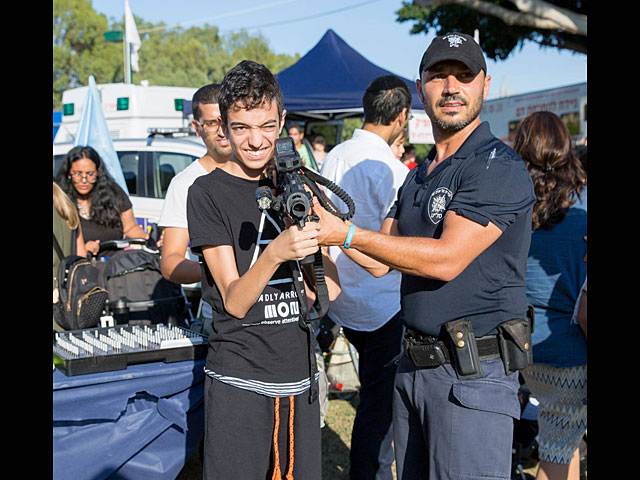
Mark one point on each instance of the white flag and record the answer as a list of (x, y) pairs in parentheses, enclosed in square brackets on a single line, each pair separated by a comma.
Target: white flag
[(94, 132), (131, 36)]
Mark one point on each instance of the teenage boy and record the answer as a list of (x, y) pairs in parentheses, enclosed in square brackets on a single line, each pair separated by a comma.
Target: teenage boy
[(261, 364)]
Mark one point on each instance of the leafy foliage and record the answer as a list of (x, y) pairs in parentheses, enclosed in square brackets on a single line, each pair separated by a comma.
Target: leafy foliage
[(497, 38), (179, 57)]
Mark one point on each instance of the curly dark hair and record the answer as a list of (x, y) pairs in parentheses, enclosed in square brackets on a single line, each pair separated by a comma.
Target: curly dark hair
[(104, 193), (544, 143), (249, 85)]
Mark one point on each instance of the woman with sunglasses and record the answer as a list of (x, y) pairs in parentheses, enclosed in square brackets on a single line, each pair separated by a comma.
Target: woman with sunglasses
[(106, 213)]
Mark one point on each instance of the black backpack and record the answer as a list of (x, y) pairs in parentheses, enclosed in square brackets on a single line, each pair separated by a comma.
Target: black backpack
[(81, 299), (138, 293)]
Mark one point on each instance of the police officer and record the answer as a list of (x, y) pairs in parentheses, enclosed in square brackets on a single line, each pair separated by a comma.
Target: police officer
[(459, 232)]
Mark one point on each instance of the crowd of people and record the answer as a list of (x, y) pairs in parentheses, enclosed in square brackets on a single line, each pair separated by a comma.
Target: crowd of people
[(436, 279)]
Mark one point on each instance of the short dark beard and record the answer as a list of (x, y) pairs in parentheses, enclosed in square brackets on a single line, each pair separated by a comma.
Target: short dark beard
[(445, 125)]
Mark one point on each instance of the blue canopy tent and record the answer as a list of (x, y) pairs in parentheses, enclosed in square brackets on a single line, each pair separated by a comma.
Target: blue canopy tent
[(329, 81)]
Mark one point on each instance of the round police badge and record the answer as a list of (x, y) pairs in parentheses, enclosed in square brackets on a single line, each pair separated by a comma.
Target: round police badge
[(438, 202)]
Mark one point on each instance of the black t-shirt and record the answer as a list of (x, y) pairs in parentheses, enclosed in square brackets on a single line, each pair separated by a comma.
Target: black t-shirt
[(93, 231), (268, 344), (484, 181)]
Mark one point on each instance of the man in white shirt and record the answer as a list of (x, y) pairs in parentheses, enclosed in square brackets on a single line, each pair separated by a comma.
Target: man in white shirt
[(174, 264), (368, 309)]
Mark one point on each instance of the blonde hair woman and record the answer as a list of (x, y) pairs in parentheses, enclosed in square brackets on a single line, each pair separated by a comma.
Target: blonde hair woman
[(65, 222)]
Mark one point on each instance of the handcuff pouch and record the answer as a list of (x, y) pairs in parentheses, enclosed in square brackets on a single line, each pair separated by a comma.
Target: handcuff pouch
[(514, 339), (464, 349)]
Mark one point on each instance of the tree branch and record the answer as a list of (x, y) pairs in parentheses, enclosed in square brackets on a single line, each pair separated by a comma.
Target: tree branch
[(571, 22), (563, 44), (533, 13)]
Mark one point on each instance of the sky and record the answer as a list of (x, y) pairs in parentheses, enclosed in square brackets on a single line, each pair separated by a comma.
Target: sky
[(368, 26)]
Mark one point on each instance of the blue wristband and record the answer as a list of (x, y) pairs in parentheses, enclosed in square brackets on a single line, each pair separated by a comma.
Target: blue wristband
[(347, 242)]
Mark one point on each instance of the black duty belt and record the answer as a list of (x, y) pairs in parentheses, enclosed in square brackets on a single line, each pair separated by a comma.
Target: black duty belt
[(426, 350)]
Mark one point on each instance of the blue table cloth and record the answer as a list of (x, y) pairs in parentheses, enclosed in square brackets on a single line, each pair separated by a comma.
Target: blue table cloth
[(138, 423)]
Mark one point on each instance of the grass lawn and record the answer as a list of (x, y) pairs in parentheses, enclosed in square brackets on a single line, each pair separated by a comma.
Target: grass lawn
[(336, 438)]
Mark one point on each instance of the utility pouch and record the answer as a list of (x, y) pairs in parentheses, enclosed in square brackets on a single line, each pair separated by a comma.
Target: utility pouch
[(429, 355), (464, 349), (514, 339)]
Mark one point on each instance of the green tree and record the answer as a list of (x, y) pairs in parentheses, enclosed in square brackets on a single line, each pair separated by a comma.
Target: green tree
[(168, 56), (241, 46), (503, 25), (176, 57), (79, 49)]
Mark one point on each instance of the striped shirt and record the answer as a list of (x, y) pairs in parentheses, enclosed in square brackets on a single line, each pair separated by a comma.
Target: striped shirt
[(265, 388)]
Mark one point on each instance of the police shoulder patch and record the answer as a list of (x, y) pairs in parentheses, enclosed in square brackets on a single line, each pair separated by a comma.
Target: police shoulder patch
[(438, 202)]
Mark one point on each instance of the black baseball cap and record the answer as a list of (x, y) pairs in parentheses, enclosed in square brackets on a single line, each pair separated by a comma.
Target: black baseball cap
[(454, 46)]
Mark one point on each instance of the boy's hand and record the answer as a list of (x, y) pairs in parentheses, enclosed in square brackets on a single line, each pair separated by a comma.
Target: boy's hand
[(295, 243)]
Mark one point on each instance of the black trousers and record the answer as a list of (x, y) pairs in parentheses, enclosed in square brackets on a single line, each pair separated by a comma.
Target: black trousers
[(371, 453), (239, 430)]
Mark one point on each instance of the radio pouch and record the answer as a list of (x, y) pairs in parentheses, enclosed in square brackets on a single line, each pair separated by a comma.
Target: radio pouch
[(514, 339), (430, 355), (464, 349)]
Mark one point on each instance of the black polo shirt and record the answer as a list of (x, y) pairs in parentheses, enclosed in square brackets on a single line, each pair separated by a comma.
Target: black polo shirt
[(484, 181)]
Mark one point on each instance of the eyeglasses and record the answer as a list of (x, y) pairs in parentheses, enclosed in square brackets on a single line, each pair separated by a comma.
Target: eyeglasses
[(77, 177), (209, 125)]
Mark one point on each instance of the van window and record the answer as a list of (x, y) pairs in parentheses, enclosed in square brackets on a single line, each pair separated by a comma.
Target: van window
[(130, 163), (167, 165)]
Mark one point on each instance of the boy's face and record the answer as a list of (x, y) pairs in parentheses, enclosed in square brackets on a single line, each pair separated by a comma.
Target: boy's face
[(252, 134)]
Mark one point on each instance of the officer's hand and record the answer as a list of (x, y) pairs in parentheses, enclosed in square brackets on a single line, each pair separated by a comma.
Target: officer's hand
[(333, 231)]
